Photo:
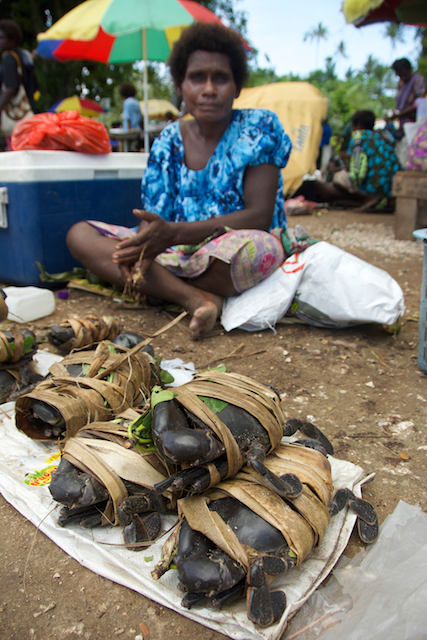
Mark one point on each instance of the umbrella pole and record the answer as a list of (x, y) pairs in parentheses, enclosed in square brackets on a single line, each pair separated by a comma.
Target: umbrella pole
[(144, 52)]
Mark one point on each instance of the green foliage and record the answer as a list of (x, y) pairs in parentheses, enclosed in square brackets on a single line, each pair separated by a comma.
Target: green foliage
[(261, 76), (422, 62), (372, 87), (95, 80)]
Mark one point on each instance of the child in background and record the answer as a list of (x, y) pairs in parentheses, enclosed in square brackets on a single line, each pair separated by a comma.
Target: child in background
[(131, 116)]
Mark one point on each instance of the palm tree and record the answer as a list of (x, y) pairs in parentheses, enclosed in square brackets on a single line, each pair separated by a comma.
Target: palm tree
[(317, 33), (394, 31), (370, 65), (340, 51)]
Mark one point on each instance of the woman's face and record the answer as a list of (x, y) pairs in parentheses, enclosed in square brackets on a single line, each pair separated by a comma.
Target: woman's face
[(208, 88)]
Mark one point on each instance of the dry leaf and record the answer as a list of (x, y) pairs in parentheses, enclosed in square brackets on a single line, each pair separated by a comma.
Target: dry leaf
[(324, 341), (145, 630), (404, 456)]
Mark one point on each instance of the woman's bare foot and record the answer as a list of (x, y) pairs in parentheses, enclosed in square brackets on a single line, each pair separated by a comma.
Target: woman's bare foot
[(204, 308)]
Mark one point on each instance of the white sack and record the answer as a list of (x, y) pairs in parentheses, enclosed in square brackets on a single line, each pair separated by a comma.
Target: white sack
[(326, 286)]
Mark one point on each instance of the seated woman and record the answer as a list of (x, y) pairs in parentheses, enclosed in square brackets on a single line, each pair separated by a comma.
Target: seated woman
[(373, 164), (211, 192)]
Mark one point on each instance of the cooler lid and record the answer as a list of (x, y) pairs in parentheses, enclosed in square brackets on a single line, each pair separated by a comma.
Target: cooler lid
[(60, 166)]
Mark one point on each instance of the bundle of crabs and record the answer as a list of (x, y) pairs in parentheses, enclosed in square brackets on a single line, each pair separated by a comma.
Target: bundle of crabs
[(249, 506)]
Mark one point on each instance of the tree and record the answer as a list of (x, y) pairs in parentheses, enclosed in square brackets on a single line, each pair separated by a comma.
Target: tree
[(317, 33), (59, 80), (341, 52), (394, 31)]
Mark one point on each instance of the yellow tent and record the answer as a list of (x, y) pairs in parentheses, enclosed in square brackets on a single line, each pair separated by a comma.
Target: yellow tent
[(301, 108), (157, 108)]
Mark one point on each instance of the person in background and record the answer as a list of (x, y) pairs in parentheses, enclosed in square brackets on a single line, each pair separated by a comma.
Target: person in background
[(211, 193), (373, 163), (411, 86), (324, 143), (131, 116), (17, 68)]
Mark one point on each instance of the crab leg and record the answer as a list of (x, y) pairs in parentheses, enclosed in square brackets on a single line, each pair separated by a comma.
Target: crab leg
[(309, 430), (262, 607), (367, 520)]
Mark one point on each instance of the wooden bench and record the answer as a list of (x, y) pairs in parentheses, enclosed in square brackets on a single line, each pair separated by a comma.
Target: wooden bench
[(410, 191)]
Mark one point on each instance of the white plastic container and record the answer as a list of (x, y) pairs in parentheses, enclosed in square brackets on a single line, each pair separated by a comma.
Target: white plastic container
[(421, 108), (28, 303)]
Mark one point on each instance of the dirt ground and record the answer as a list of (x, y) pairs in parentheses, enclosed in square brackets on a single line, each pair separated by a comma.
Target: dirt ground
[(361, 386)]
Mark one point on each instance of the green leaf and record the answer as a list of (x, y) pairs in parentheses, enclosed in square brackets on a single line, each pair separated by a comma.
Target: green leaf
[(161, 395), (148, 558), (166, 377), (292, 554), (28, 344), (111, 349), (214, 405)]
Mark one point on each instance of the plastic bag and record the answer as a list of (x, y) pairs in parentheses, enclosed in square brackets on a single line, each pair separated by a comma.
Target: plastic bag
[(324, 286), (379, 594), (67, 131)]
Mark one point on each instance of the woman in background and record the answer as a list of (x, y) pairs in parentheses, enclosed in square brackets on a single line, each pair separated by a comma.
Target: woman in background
[(411, 86)]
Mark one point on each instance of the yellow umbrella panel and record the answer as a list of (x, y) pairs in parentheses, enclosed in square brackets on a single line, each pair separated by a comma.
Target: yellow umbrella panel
[(301, 108)]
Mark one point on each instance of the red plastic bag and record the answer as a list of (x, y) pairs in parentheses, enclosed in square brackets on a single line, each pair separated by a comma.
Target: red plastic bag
[(67, 131)]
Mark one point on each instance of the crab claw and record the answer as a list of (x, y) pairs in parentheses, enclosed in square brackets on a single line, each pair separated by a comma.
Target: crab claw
[(189, 446), (309, 430), (73, 488)]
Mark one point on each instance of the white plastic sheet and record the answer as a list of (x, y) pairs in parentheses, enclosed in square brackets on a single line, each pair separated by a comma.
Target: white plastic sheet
[(326, 286), (21, 456), (379, 594)]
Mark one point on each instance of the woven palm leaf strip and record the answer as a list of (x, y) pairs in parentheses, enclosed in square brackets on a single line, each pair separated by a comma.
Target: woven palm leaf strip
[(90, 398), (100, 450), (242, 392), (89, 330), (7, 354), (3, 309), (302, 521)]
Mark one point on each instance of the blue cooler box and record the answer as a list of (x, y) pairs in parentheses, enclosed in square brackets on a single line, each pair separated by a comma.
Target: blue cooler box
[(43, 193)]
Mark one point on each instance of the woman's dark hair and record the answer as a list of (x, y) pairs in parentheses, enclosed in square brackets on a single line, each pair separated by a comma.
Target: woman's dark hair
[(12, 30), (401, 66), (365, 119), (127, 90), (211, 37)]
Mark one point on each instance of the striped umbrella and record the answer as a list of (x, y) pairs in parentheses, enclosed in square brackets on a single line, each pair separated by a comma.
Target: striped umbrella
[(118, 31), (85, 106)]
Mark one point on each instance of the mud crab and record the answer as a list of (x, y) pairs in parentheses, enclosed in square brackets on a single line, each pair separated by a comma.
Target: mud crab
[(75, 333), (88, 385), (218, 423), (103, 479), (241, 535)]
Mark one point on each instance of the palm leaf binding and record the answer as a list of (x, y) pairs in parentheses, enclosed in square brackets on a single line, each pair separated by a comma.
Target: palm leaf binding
[(91, 397)]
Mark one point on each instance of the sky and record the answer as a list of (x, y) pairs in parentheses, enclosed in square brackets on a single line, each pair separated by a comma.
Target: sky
[(277, 27)]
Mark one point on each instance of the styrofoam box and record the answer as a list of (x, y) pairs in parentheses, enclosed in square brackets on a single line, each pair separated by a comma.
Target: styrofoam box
[(43, 193)]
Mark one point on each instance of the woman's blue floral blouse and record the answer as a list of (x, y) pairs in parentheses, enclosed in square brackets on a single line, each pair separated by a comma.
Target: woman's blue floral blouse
[(176, 193)]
